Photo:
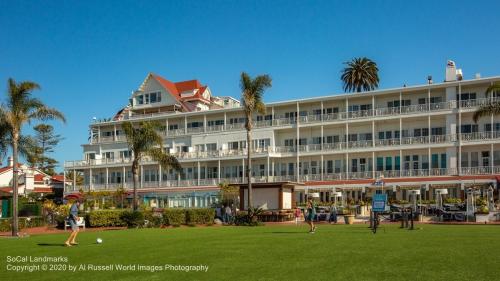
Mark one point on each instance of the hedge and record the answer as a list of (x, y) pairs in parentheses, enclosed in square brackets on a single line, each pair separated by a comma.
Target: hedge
[(174, 217), (5, 224), (200, 216), (101, 218)]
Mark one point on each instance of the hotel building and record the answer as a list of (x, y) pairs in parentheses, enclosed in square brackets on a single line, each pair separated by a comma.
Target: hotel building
[(419, 137)]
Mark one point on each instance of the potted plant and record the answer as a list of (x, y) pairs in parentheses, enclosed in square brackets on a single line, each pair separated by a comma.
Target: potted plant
[(482, 211), (349, 212)]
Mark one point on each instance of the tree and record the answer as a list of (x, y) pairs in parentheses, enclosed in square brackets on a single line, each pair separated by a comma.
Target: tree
[(144, 140), (46, 140), (491, 108), (78, 175), (21, 108), (360, 74), (252, 100)]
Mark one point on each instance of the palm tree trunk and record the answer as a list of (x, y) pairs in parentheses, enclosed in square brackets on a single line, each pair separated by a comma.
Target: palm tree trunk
[(15, 213), (135, 175), (249, 168)]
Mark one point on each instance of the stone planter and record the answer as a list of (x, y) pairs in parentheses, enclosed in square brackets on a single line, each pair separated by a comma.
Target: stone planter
[(349, 219), (484, 218)]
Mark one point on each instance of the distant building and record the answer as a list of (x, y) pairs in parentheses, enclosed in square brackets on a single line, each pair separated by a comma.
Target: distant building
[(392, 141), (30, 180)]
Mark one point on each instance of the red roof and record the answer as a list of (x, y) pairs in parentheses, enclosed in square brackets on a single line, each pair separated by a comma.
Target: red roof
[(175, 89), (42, 190), (6, 168), (58, 178), (39, 177)]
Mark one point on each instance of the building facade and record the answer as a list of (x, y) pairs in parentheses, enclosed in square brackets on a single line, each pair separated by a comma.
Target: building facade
[(419, 137)]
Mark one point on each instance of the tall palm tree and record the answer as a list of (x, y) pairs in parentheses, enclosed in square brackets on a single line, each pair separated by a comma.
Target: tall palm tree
[(252, 99), (360, 74), (21, 108), (144, 140), (492, 108)]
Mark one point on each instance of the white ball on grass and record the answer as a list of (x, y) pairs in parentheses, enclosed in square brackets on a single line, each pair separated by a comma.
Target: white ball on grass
[(99, 240)]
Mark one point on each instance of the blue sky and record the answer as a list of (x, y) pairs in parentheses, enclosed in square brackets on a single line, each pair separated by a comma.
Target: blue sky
[(88, 56)]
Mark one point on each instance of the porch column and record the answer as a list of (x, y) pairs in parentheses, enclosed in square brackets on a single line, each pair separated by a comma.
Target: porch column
[(298, 145), (107, 178), (218, 169), (492, 159), (141, 182), (124, 176), (243, 163), (204, 123), (199, 172), (159, 176), (74, 179), (268, 169), (91, 181)]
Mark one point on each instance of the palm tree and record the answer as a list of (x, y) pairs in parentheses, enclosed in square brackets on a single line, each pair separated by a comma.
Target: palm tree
[(21, 108), (360, 74), (492, 108), (251, 97), (144, 140)]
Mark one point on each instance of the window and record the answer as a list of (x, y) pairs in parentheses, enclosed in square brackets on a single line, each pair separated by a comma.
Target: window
[(291, 170), (125, 154), (211, 146), (362, 164), (314, 167), (215, 122), (316, 140), (329, 166), (397, 164), (485, 155), (469, 128), (354, 166), (338, 166), (415, 162), (195, 124), (172, 127), (474, 159), (289, 142), (140, 99), (439, 131), (465, 159), (380, 163), (436, 99), (108, 155), (425, 162), (434, 161), (302, 141), (388, 163), (443, 161)]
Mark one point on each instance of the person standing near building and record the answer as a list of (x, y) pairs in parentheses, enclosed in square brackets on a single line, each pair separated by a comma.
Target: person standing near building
[(228, 213), (333, 214), (72, 219), (297, 214), (311, 213)]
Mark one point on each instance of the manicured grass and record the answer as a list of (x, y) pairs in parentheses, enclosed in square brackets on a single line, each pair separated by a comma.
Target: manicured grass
[(341, 252)]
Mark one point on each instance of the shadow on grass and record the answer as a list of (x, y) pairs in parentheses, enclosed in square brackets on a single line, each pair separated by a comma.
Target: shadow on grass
[(51, 244), (286, 232)]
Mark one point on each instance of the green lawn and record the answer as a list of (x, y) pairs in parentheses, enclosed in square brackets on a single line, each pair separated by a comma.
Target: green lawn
[(434, 252)]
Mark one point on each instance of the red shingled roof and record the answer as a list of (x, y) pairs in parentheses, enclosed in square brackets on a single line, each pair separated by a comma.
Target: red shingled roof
[(59, 178), (6, 168), (175, 89)]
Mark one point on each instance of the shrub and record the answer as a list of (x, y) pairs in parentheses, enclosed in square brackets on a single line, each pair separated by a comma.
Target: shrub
[(133, 219), (153, 219), (28, 222), (101, 218), (200, 216), (174, 217)]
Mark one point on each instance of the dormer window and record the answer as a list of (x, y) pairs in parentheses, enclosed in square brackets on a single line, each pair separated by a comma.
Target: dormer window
[(149, 98)]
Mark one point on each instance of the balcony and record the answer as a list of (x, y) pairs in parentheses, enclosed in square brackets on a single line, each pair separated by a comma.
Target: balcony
[(480, 136), (302, 178)]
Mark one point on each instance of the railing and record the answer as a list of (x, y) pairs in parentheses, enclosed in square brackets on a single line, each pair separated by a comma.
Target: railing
[(480, 136), (302, 178), (477, 102), (315, 118)]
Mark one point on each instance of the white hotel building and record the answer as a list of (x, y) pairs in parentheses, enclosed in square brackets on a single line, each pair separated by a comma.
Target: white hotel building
[(418, 137)]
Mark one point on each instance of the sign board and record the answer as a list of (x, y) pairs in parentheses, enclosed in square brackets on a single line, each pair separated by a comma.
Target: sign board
[(378, 202)]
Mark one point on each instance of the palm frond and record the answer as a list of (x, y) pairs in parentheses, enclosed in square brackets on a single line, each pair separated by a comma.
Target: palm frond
[(360, 74), (166, 160), (494, 88), (45, 113), (492, 108)]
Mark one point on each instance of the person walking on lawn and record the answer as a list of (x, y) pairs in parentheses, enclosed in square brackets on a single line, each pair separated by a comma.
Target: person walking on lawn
[(311, 213), (72, 219)]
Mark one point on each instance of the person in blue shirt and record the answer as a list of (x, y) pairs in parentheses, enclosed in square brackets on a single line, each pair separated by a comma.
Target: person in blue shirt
[(72, 219)]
